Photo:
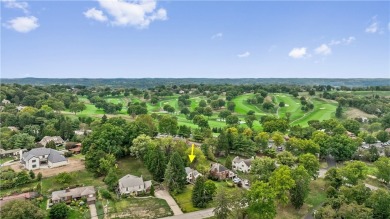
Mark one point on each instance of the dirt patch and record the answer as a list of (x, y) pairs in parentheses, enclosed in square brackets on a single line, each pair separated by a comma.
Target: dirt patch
[(74, 164), (356, 113)]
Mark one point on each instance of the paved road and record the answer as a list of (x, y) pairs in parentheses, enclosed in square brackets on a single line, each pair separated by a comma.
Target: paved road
[(194, 215), (92, 209), (163, 194)]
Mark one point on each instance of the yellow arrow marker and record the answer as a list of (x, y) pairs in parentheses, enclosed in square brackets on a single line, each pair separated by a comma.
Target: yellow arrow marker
[(192, 156)]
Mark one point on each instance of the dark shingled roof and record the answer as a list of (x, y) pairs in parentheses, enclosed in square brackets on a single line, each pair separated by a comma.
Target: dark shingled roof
[(54, 156)]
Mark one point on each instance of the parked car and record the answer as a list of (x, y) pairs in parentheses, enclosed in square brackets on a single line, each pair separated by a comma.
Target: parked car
[(280, 148), (236, 180), (246, 182)]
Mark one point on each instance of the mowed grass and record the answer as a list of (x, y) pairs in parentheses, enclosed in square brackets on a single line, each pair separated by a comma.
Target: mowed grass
[(292, 105), (242, 106), (139, 208), (322, 111), (185, 202), (133, 166)]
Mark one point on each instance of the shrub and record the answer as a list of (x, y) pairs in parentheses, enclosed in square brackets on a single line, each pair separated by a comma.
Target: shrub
[(105, 193)]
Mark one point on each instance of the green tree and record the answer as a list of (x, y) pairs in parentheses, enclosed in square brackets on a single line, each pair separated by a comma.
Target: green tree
[(175, 174), (202, 192), (224, 113), (140, 146), (383, 136), (51, 144), (286, 158), (352, 126), (156, 163), (168, 125), (281, 181), (32, 174), (39, 176), (21, 209), (262, 140), (261, 201), (232, 120), (359, 193), (222, 209), (334, 178), (299, 192), (325, 213), (111, 179), (379, 201), (263, 167), (64, 178), (383, 166), (311, 164), (59, 211), (278, 138), (339, 111), (231, 105), (353, 171), (22, 140), (228, 162), (354, 211)]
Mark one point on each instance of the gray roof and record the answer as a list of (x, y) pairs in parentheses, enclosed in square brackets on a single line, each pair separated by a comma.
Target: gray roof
[(54, 156), (237, 159), (47, 139), (75, 193), (130, 181), (2, 151), (189, 170), (218, 167)]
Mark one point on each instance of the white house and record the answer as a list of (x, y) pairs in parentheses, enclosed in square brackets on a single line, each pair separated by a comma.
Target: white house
[(42, 157), (5, 101), (192, 174), (243, 165), (133, 185)]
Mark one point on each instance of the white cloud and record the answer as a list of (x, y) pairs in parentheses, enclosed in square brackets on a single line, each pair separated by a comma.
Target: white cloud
[(23, 24), (244, 55), (217, 35), (95, 14), (18, 5), (298, 53), (374, 26), (344, 41), (323, 50), (137, 13)]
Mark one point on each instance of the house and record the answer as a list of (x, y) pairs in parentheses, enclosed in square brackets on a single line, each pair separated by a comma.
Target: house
[(13, 128), (351, 135), (82, 132), (181, 92), (220, 172), (20, 107), (26, 195), (5, 102), (76, 149), (387, 130), (364, 119), (243, 165), (68, 195), (192, 174), (57, 140), (9, 153), (41, 158), (133, 185)]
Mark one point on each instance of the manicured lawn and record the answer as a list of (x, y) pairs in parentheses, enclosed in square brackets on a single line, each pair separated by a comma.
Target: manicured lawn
[(81, 178), (140, 208), (184, 199), (322, 111), (243, 107), (133, 166), (5, 159)]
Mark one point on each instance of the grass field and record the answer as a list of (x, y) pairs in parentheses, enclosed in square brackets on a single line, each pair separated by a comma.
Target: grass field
[(131, 165), (148, 207), (322, 109)]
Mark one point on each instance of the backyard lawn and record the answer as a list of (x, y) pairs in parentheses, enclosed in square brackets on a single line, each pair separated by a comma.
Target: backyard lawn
[(142, 207), (133, 166)]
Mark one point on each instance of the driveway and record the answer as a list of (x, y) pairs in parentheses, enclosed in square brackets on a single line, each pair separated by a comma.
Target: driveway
[(92, 209), (163, 194), (194, 215)]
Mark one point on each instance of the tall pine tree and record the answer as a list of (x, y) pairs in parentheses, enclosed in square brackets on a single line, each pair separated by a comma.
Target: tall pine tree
[(175, 174), (157, 164)]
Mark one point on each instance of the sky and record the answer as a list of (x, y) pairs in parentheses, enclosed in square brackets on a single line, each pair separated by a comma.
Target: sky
[(189, 39)]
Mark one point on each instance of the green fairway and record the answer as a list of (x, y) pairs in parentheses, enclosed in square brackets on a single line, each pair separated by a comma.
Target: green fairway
[(322, 111), (243, 107), (292, 105)]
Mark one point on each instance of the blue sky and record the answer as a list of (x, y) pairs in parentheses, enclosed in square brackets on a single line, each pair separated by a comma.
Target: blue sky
[(219, 39)]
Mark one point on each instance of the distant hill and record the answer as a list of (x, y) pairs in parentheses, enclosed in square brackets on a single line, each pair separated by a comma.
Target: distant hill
[(152, 82)]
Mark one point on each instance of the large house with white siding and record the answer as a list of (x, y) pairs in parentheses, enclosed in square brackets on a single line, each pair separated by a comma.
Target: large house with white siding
[(42, 157), (133, 185), (243, 165)]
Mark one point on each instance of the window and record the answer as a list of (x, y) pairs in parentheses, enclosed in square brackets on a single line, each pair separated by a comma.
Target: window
[(33, 161), (34, 166)]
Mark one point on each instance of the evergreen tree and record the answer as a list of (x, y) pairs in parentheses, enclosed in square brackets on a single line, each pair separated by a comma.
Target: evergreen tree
[(111, 179), (51, 144), (104, 119), (32, 174), (339, 111), (39, 176), (175, 174), (222, 210), (157, 164), (301, 189)]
